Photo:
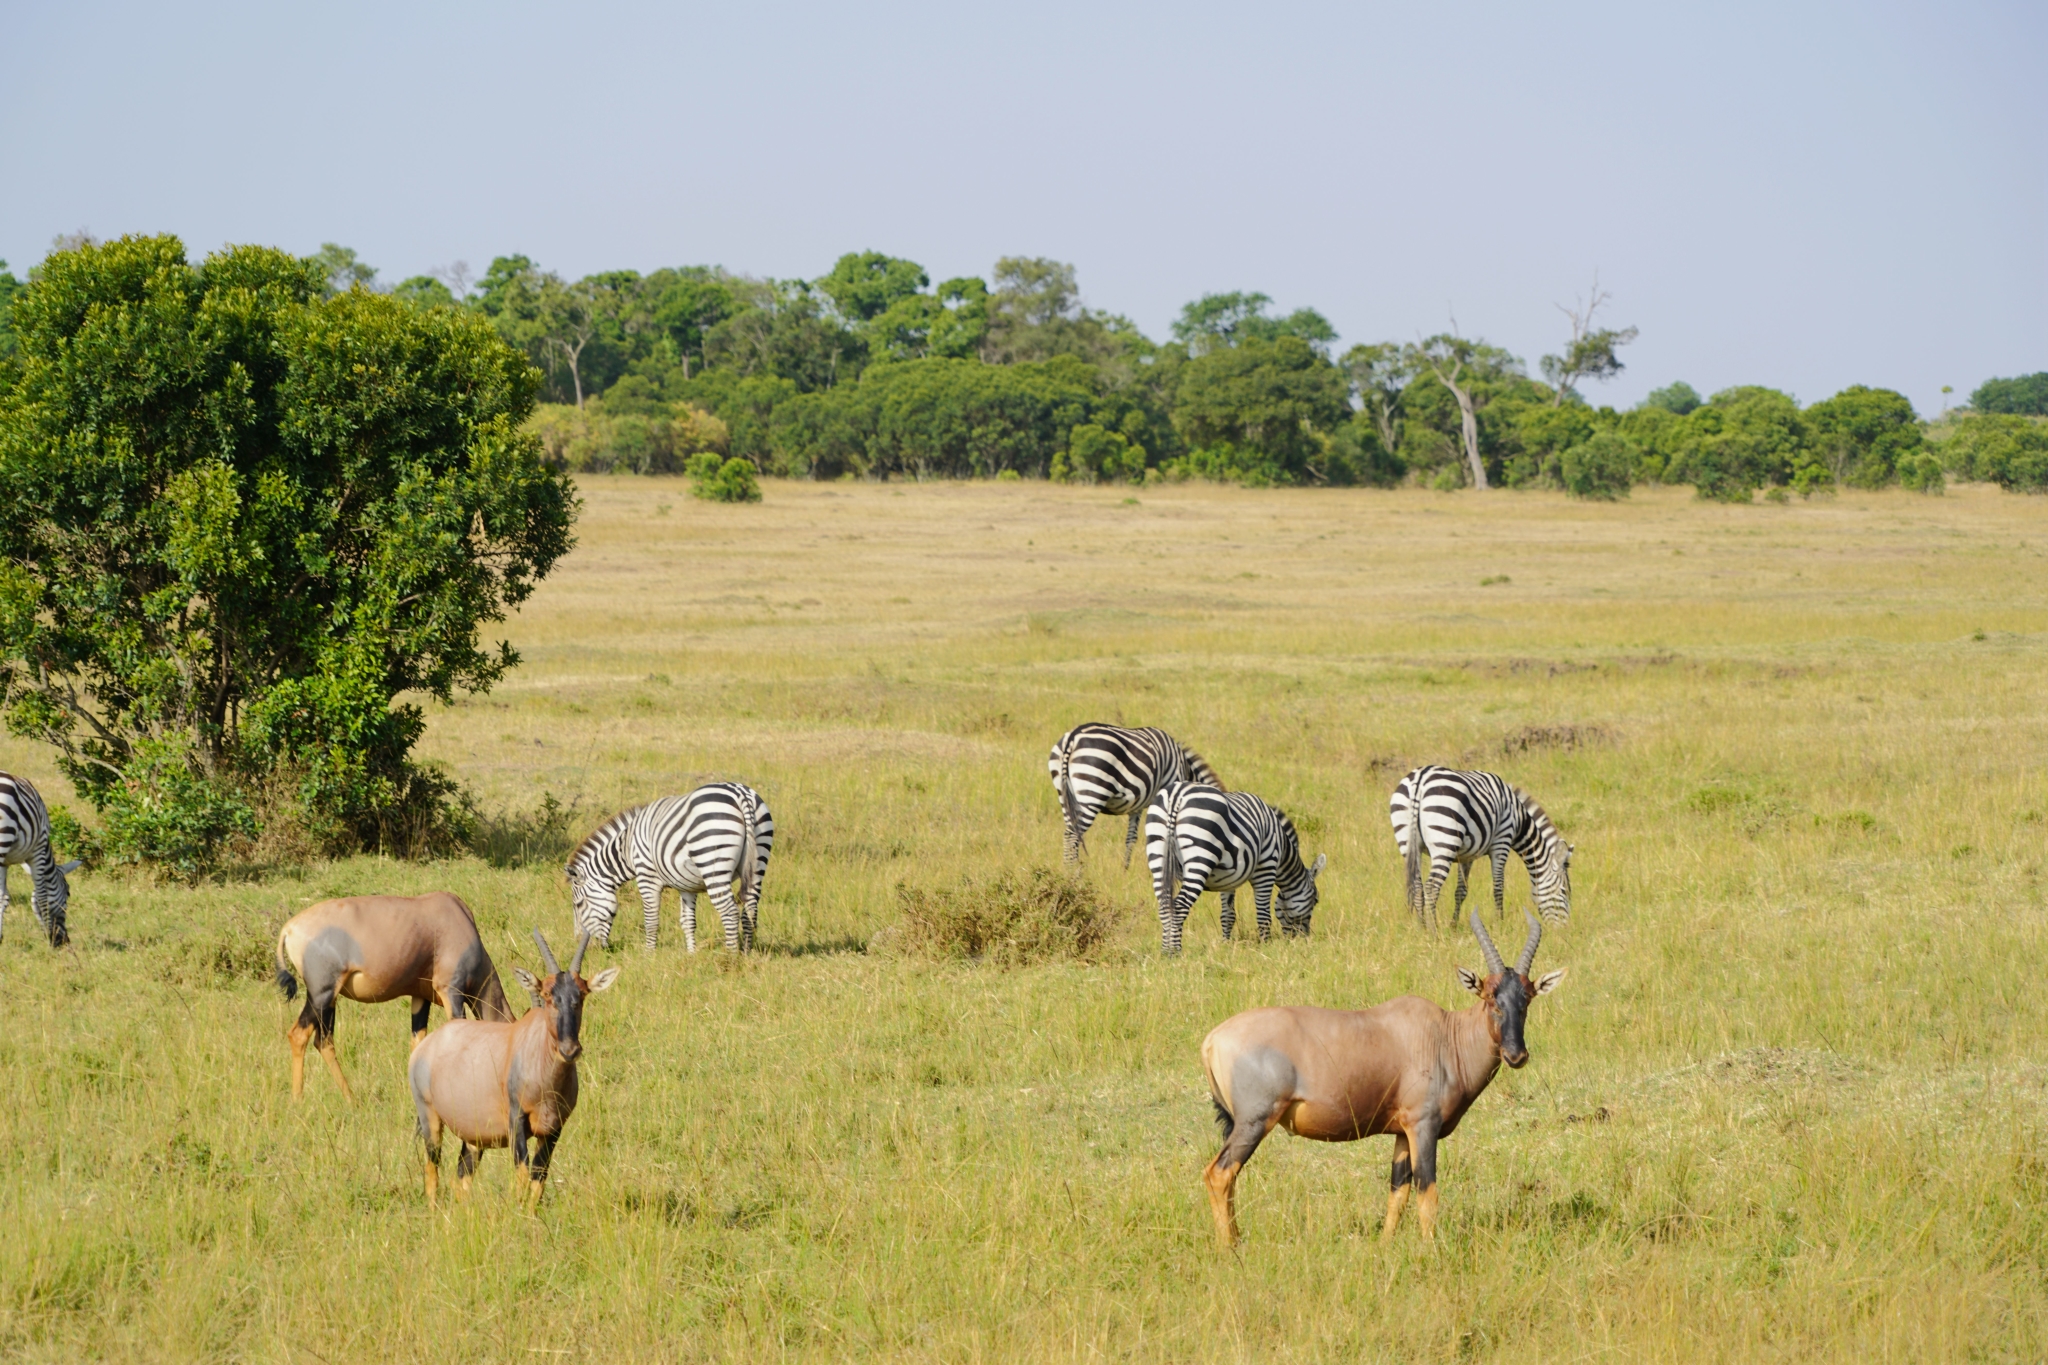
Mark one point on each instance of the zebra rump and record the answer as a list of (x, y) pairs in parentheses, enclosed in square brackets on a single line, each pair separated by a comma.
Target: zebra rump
[(1112, 770), (715, 840)]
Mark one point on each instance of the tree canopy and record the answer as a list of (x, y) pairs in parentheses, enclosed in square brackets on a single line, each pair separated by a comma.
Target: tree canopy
[(240, 514)]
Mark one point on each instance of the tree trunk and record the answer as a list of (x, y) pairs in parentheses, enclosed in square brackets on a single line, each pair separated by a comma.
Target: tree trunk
[(1471, 425)]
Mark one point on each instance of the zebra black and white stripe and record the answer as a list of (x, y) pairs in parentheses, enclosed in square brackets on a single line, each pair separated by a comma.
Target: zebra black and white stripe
[(1442, 816), (1200, 839), (715, 840), (25, 838), (1110, 770)]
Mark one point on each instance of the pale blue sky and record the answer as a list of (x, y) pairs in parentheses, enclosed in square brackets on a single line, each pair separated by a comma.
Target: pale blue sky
[(1804, 195)]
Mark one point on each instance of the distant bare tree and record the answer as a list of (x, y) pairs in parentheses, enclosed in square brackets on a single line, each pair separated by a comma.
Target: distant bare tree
[(1591, 353), (457, 277)]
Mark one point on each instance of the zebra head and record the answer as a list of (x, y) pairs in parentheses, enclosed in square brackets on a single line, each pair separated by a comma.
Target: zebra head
[(592, 903), (1295, 901), (1552, 876), (51, 886)]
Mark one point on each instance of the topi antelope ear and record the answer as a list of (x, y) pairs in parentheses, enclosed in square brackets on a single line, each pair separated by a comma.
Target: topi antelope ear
[(1470, 980), (68, 868), (1547, 983), (528, 980), (604, 979)]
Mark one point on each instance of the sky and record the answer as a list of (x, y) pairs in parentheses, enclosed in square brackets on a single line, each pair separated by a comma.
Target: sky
[(1803, 195)]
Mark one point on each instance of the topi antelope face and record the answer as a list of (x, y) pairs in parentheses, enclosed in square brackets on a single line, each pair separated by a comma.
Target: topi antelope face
[(562, 995), (1506, 991)]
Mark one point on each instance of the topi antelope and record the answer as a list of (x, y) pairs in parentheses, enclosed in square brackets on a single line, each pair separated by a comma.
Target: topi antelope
[(497, 1085), (379, 948), (1408, 1067)]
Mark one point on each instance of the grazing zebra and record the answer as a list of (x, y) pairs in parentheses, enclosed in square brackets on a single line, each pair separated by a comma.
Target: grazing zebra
[(714, 840), (25, 838), (1108, 770), (1200, 839), (1442, 817)]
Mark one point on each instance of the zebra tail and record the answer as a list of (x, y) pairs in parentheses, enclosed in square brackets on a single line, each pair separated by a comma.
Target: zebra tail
[(286, 982), (749, 851), (1415, 846), (1069, 807), (1200, 770), (1172, 845)]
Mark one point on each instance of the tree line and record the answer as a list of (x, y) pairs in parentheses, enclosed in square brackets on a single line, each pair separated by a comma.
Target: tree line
[(870, 370)]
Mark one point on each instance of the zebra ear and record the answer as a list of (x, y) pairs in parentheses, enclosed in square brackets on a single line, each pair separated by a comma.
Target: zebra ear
[(68, 868), (1322, 861)]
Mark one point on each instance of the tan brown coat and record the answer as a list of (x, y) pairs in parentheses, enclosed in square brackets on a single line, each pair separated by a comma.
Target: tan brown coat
[(379, 948), (1408, 1067)]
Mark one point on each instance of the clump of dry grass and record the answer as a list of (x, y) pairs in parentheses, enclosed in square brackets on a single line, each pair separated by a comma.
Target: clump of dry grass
[(1011, 919)]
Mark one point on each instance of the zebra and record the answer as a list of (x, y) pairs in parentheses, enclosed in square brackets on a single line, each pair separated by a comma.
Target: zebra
[(714, 840), (25, 838), (1444, 817), (1106, 769), (1200, 839)]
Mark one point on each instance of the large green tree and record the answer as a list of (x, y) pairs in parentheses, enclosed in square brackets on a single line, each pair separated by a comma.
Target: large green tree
[(1261, 411), (240, 518), (2025, 396), (1861, 434)]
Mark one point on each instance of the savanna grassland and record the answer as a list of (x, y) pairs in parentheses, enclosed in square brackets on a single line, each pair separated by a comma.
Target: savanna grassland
[(1788, 1104)]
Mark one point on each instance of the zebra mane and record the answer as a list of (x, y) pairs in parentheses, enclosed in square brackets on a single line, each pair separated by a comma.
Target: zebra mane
[(597, 838), (1546, 828)]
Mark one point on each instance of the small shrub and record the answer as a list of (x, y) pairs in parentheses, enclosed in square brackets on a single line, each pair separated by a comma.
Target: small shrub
[(730, 480), (517, 839), (1094, 455), (1013, 919), (1922, 474), (1600, 467), (1009, 476), (165, 811), (69, 838), (1449, 479)]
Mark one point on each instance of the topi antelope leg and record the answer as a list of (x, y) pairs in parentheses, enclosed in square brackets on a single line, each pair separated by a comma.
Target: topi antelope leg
[(324, 1040), (1131, 834), (1397, 1197), (1422, 1142), (433, 1145), (1221, 1174), (419, 1019), (517, 1133), (543, 1153), (300, 1034), (465, 1168)]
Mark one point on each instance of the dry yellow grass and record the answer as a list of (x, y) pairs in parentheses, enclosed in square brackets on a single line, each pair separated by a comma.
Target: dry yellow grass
[(1787, 1105)]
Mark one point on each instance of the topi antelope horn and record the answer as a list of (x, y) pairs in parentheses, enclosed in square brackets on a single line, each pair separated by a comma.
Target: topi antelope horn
[(1529, 948), (582, 947), (1494, 965), (545, 955)]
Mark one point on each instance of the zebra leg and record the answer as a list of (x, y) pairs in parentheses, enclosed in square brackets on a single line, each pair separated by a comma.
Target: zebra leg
[(1262, 902), (1077, 833), (1173, 920), (728, 912), (1500, 873), (1433, 890), (1131, 835), (688, 914), (650, 908), (1458, 902), (3, 901)]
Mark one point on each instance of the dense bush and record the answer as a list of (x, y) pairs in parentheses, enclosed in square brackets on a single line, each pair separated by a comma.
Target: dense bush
[(723, 480), (1600, 467), (1859, 437), (2011, 452), (606, 436), (1012, 919)]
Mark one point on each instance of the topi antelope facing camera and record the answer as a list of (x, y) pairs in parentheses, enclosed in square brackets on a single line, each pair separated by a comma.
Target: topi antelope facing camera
[(501, 1085), (1408, 1067)]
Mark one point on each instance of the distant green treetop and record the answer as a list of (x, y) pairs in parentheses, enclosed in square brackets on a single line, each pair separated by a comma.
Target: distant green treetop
[(1679, 398), (2026, 396)]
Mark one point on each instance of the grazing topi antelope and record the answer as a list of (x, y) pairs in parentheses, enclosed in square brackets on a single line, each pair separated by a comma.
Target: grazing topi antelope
[(379, 948), (1408, 1067), (497, 1085)]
